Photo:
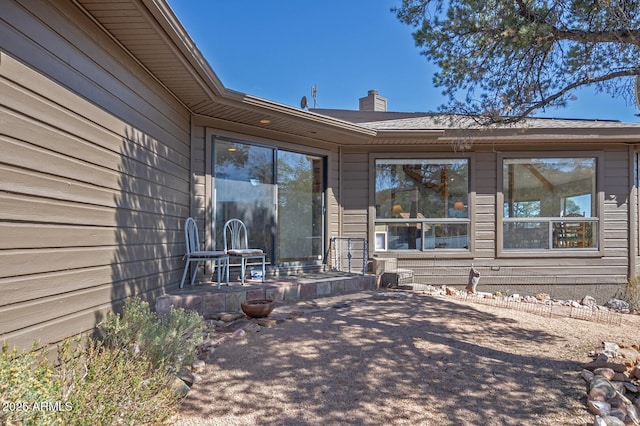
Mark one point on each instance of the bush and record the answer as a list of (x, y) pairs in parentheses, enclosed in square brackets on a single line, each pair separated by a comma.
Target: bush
[(170, 341), (123, 378), (115, 386), (631, 293), (27, 380)]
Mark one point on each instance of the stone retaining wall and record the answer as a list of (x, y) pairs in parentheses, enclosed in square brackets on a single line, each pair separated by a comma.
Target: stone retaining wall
[(209, 300)]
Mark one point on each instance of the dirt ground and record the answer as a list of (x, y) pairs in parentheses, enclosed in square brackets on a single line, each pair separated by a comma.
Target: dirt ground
[(401, 358)]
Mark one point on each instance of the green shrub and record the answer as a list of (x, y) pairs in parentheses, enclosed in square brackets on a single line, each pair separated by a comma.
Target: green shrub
[(115, 386), (27, 381), (123, 378), (170, 341)]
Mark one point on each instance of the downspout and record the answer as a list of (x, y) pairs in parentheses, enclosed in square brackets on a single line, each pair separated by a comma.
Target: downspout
[(340, 196), (633, 212)]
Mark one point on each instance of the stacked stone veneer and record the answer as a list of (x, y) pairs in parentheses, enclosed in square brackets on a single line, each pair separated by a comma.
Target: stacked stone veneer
[(209, 301)]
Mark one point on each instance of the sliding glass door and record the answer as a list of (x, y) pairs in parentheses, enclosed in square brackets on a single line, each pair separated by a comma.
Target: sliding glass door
[(278, 194), (244, 188), (300, 234)]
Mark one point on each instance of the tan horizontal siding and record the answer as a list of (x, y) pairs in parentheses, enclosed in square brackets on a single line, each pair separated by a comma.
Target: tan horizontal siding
[(94, 175), (484, 185), (47, 149), (333, 195), (616, 197), (355, 197), (16, 262), (92, 64), (31, 235), (58, 329)]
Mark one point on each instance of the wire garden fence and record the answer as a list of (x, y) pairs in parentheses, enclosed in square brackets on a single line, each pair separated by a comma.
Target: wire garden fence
[(510, 287)]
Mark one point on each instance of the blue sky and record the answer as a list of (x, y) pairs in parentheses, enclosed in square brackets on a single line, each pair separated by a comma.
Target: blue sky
[(279, 49)]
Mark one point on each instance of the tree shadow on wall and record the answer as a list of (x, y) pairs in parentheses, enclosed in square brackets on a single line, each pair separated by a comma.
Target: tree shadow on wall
[(150, 209)]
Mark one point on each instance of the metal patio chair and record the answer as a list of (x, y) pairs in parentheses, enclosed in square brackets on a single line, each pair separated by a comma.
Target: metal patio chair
[(236, 245), (194, 254)]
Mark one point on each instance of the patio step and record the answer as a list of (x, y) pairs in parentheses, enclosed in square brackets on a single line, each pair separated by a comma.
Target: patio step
[(208, 300)]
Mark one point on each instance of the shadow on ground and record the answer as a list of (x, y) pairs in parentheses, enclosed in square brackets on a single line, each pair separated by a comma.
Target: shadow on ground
[(389, 359)]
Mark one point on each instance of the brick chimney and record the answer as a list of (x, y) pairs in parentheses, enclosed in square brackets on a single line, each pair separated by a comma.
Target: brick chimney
[(373, 102)]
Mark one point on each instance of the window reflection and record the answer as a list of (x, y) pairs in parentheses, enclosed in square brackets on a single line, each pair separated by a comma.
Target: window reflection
[(259, 184), (422, 204), (422, 188), (244, 189), (540, 194)]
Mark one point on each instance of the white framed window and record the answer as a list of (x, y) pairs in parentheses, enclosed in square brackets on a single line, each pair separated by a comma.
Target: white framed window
[(381, 241)]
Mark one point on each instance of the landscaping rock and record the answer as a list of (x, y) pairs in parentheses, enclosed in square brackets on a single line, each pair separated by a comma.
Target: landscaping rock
[(635, 373), (610, 349), (632, 414), (599, 408), (620, 377), (602, 362), (601, 389), (608, 388), (450, 291), (586, 375), (234, 326), (542, 297), (198, 365), (179, 387), (228, 316), (619, 413), (630, 387), (589, 301), (617, 305), (605, 372), (210, 343), (239, 333), (266, 322), (251, 327), (186, 376), (630, 356), (612, 421)]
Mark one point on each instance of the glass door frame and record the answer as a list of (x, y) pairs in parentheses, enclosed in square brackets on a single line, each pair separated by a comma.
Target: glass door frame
[(210, 190), (323, 209)]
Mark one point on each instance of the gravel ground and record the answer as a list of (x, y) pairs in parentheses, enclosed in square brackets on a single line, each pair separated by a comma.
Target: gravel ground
[(397, 358)]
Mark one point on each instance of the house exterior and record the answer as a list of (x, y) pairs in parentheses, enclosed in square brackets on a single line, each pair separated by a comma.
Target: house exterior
[(114, 129), (552, 202)]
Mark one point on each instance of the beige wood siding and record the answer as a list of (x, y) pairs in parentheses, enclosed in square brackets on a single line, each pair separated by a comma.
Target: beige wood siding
[(355, 197), (333, 195), (484, 213), (94, 175)]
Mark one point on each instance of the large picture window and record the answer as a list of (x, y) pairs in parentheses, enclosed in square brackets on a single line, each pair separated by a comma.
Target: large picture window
[(422, 204), (549, 203)]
